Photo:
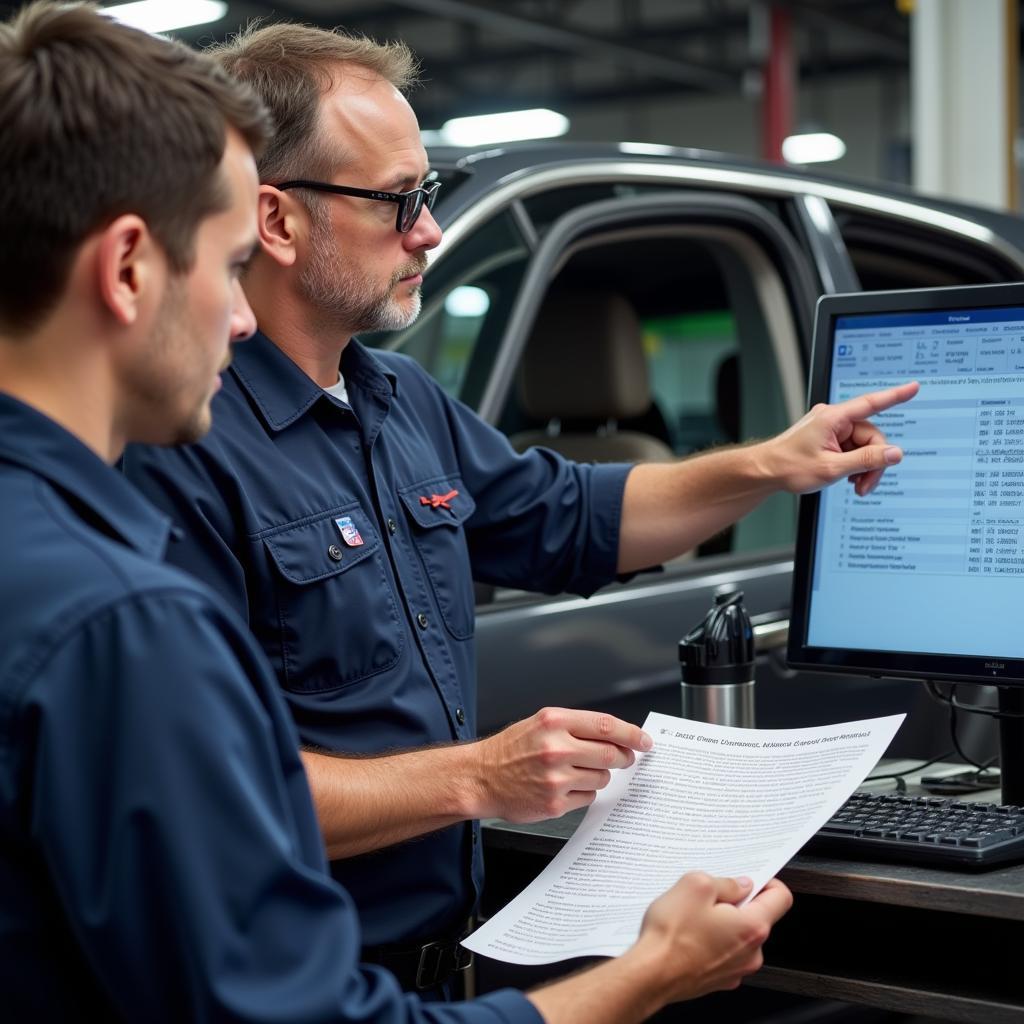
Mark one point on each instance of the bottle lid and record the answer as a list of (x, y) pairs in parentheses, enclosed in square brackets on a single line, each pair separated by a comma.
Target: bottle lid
[(720, 650)]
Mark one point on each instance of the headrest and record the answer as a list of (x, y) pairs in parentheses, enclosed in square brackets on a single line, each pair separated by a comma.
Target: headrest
[(585, 359)]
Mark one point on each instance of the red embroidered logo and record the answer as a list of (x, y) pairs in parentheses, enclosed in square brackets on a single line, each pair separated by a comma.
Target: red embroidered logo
[(439, 500)]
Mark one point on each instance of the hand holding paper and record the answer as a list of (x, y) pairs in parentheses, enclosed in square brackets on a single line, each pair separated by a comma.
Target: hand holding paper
[(552, 762), (705, 920)]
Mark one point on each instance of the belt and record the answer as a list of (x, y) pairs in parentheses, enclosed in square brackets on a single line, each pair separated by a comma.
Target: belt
[(421, 967)]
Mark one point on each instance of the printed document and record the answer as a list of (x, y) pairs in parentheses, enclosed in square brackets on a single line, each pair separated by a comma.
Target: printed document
[(726, 801)]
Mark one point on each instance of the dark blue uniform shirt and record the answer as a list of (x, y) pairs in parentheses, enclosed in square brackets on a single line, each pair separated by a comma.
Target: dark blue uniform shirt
[(160, 859), (348, 538)]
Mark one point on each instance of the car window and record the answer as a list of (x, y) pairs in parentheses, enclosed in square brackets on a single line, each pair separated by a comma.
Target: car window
[(466, 302), (691, 357), (547, 206), (889, 254), (712, 322)]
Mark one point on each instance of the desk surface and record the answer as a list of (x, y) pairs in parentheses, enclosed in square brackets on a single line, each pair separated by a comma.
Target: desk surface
[(925, 941), (998, 893)]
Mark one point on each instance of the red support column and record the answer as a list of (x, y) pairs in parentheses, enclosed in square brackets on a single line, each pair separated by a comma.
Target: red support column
[(778, 98)]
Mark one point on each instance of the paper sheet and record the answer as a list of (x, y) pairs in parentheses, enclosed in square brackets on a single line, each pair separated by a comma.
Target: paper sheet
[(722, 800)]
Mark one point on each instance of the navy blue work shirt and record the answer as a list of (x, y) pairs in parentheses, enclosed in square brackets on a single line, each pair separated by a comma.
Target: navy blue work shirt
[(348, 538), (160, 859)]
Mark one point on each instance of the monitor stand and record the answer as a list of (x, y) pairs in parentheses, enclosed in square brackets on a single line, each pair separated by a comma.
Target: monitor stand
[(1011, 744)]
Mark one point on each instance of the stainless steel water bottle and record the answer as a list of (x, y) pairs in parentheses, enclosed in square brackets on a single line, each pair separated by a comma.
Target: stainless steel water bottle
[(717, 663)]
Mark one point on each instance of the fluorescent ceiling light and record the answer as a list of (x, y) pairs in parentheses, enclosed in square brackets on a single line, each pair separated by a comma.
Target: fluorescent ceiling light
[(167, 15), (467, 301), (512, 126), (813, 148), (647, 149)]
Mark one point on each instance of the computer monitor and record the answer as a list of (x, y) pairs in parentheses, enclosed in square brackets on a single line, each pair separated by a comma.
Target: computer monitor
[(924, 577)]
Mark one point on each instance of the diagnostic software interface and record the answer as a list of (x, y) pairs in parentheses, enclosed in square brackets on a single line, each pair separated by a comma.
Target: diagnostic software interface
[(931, 560)]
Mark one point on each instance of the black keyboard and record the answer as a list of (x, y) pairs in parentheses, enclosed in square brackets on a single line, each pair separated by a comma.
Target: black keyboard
[(925, 830)]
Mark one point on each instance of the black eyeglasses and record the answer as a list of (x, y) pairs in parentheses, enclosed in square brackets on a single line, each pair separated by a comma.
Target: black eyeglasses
[(410, 204)]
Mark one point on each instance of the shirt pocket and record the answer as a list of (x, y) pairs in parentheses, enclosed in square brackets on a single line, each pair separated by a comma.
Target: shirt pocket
[(337, 619), (438, 508)]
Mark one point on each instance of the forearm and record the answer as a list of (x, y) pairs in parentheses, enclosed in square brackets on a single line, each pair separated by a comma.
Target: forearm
[(541, 767), (367, 803), (670, 509)]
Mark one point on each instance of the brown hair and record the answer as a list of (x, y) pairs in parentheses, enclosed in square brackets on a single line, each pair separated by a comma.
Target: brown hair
[(97, 120), (291, 67)]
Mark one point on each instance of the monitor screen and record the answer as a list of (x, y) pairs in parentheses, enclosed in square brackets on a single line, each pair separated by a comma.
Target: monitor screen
[(924, 576)]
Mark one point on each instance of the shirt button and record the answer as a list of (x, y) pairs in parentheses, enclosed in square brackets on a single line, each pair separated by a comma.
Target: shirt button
[(421, 619), (335, 553), (392, 526), (460, 716)]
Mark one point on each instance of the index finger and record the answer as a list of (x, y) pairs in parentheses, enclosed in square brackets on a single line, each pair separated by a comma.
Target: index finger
[(863, 406), (586, 725)]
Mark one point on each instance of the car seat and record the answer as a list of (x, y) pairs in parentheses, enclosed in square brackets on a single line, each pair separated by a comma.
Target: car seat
[(583, 371)]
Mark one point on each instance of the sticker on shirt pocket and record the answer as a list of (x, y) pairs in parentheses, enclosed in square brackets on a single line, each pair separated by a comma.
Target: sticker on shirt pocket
[(349, 532)]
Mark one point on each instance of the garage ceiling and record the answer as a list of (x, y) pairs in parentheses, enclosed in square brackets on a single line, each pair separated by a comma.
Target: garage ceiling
[(487, 55)]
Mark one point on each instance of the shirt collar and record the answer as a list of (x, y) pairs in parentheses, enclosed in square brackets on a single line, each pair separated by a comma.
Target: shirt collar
[(43, 447), (283, 393)]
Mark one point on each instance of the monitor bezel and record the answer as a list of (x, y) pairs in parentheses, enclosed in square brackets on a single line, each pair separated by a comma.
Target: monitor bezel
[(910, 665)]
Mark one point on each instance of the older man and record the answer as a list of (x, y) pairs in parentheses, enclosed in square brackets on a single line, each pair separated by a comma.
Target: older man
[(343, 504)]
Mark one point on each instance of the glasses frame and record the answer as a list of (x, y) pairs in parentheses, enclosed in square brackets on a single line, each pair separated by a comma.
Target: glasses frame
[(410, 204)]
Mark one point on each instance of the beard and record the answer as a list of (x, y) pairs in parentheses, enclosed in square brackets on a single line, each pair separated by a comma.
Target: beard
[(342, 295)]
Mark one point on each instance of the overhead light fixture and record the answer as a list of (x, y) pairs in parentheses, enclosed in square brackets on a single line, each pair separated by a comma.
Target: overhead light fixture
[(167, 15), (647, 149), (813, 148), (511, 126)]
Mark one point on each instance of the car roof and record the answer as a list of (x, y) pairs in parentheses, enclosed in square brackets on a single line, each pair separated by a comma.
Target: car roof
[(470, 173)]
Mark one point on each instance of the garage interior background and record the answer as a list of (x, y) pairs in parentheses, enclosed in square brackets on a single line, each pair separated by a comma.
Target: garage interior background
[(689, 73)]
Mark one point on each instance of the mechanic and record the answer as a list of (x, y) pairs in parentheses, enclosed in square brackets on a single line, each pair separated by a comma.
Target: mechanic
[(160, 858), (343, 505)]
